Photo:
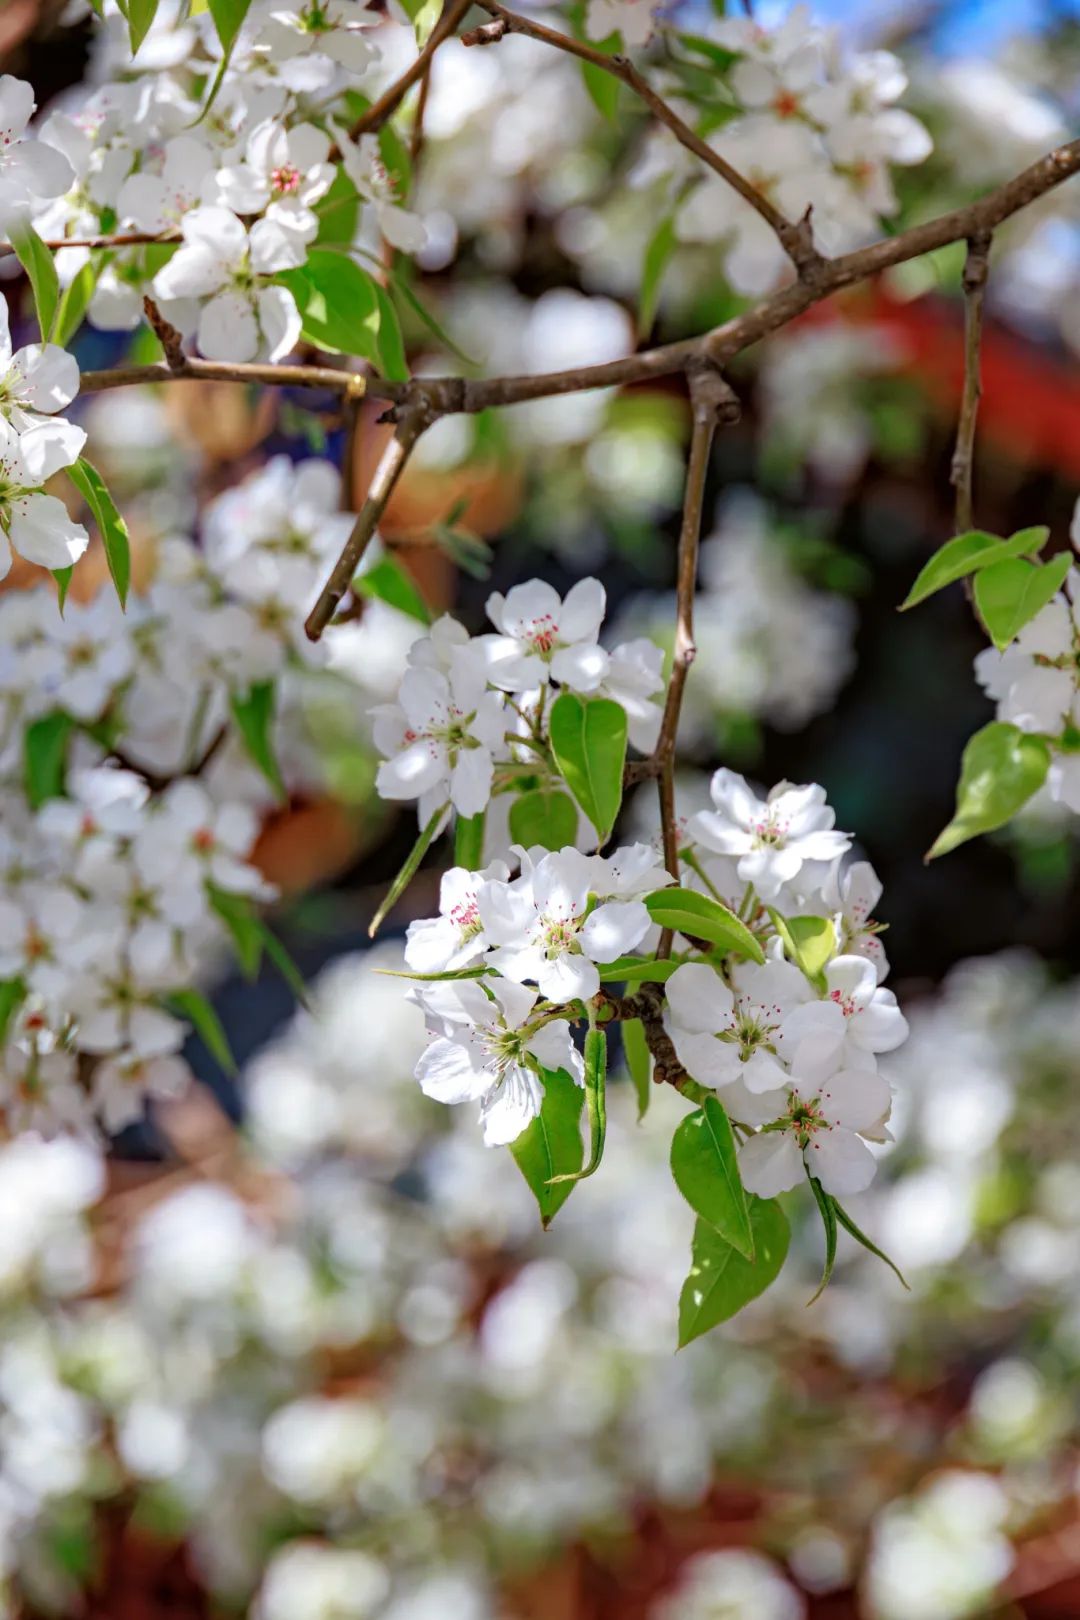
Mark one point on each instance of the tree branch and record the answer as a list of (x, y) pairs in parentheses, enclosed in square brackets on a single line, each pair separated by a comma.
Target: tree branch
[(388, 103), (976, 269), (797, 239), (711, 401), (387, 473)]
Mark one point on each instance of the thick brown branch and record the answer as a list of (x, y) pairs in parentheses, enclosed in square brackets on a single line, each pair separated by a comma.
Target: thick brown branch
[(388, 103), (976, 269), (795, 238), (387, 473), (448, 395)]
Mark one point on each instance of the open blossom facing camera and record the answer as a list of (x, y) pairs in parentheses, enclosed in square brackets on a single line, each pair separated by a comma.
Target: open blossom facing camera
[(227, 270), (771, 839), (541, 637), (443, 736), (29, 169)]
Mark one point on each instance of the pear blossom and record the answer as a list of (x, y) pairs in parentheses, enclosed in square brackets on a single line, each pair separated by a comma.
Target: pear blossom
[(634, 675), (857, 1015), (191, 839), (851, 894), (157, 198), (29, 169), (362, 162), (443, 736), (38, 935), (542, 926), (37, 382), (632, 19), (485, 1050), (226, 267), (542, 637), (771, 838), (35, 525), (312, 43), (123, 1081), (819, 1132), (722, 1035), (283, 174), (456, 936)]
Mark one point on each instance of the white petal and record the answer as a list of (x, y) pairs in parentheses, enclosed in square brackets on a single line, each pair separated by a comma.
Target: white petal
[(841, 1161), (770, 1163), (228, 329), (41, 531)]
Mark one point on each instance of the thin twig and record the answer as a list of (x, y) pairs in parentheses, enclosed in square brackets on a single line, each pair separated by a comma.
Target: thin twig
[(387, 473), (711, 401), (124, 239), (352, 384), (976, 269), (796, 238), (170, 339), (388, 103)]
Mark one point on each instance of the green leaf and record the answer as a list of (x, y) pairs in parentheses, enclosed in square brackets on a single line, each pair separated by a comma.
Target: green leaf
[(810, 942), (701, 917), (588, 739), (338, 303), (596, 1103), (705, 1165), (1009, 594), (860, 1237), (12, 996), (469, 841), (967, 554), (193, 1005), (45, 746), (636, 970), (111, 526), (284, 963), (338, 212), (228, 16), (75, 299), (408, 871), (721, 1280), (661, 246), (828, 1220), (603, 89), (62, 577), (392, 359), (396, 159), (550, 1145), (400, 288), (544, 816), (638, 1062), (140, 15), (253, 712), (37, 261), (390, 582), (1002, 767), (238, 914)]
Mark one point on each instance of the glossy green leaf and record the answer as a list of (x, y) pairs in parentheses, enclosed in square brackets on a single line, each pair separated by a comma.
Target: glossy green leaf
[(75, 299), (595, 1103), (721, 1280), (469, 841), (968, 553), (544, 816), (550, 1145), (408, 871), (1001, 768), (603, 89), (193, 1006), (636, 970), (391, 583), (63, 578), (1009, 594), (338, 303), (588, 739), (12, 996), (37, 261), (860, 1237), (701, 917), (45, 747), (111, 526), (253, 712), (238, 914), (704, 1162), (827, 1210), (810, 942), (638, 1062), (658, 252), (228, 17), (392, 361)]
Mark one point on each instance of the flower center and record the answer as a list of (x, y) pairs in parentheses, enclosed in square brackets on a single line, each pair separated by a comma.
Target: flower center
[(845, 1003), (466, 918), (286, 180), (542, 635)]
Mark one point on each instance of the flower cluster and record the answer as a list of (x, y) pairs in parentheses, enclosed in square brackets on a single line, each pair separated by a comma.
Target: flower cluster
[(133, 778), (814, 128), (472, 713), (1035, 682)]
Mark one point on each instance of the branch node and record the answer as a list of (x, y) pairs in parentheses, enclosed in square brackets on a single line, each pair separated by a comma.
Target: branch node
[(167, 335), (711, 395), (487, 33)]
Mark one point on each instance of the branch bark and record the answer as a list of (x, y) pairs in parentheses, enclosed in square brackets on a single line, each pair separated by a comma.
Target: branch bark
[(796, 238), (371, 121), (387, 473), (976, 270)]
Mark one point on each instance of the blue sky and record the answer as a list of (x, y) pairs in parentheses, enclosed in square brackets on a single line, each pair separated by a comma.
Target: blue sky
[(960, 27)]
